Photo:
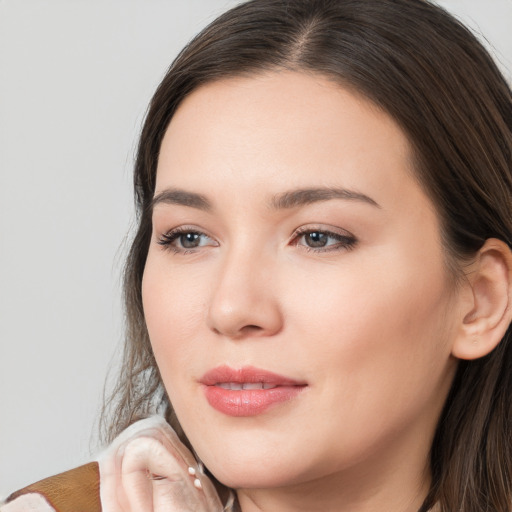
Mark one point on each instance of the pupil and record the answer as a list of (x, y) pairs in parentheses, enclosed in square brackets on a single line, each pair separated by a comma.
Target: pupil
[(316, 239), (189, 240)]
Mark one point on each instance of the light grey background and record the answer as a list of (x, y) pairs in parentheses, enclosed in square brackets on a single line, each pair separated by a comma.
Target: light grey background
[(75, 79)]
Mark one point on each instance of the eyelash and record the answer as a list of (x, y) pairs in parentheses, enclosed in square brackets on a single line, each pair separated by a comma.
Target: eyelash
[(168, 239), (344, 242)]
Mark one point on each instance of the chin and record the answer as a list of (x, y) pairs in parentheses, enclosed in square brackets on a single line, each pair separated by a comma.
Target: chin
[(264, 477), (256, 469)]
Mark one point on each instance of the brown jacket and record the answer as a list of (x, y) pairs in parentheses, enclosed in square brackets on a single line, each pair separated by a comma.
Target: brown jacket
[(77, 490)]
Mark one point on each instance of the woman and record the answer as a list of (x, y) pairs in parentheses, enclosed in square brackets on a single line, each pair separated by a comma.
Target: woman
[(318, 293)]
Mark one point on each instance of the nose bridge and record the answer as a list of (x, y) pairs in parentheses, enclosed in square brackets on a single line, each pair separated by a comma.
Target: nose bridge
[(244, 301)]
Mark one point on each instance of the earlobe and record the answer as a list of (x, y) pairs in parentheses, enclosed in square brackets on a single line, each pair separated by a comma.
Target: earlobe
[(489, 313)]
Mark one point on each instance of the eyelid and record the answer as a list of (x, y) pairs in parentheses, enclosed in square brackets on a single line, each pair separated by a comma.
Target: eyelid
[(346, 240)]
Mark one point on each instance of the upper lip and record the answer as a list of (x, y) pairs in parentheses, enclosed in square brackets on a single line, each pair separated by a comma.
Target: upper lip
[(246, 374)]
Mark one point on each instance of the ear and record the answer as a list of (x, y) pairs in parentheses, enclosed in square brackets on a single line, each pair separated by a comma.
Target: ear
[(488, 311)]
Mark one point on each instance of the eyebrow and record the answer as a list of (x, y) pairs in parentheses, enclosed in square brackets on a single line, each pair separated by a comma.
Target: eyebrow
[(183, 198), (301, 197), (286, 200)]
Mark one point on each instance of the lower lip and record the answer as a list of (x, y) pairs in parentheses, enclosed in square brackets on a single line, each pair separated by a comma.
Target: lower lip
[(248, 402)]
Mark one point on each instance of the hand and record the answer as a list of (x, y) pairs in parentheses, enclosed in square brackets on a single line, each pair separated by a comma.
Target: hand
[(146, 469)]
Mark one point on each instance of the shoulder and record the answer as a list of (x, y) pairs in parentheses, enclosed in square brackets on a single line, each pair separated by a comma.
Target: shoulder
[(76, 490)]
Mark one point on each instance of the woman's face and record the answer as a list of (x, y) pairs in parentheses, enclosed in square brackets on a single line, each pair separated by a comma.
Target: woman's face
[(295, 291)]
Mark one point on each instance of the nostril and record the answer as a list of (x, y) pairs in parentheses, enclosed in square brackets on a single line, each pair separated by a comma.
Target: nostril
[(251, 329), (244, 332), (254, 327)]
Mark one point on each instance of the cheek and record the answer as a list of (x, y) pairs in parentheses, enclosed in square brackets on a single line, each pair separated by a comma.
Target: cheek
[(173, 309), (391, 337), (381, 320), (385, 300), (377, 346)]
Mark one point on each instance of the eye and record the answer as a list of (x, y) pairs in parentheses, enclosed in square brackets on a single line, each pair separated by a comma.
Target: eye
[(321, 240), (184, 240)]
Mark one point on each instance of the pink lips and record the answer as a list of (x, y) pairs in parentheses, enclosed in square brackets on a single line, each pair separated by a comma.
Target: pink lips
[(247, 391)]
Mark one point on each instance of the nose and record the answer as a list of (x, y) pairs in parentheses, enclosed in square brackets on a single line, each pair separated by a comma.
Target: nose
[(245, 301)]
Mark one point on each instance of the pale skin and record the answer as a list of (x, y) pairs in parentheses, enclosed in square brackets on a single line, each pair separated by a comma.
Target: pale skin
[(371, 321)]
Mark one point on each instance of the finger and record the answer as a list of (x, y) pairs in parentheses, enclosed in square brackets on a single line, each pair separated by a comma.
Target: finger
[(171, 441), (114, 490), (169, 487)]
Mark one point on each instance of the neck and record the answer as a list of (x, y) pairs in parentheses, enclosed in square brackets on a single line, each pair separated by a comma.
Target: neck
[(324, 497)]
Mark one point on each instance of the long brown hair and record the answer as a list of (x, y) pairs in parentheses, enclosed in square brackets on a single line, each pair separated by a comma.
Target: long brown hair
[(430, 73)]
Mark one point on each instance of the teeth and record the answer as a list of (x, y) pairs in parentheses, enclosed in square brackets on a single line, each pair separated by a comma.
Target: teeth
[(237, 386), (253, 385)]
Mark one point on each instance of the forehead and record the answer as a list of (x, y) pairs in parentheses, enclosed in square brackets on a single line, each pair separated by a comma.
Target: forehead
[(280, 130)]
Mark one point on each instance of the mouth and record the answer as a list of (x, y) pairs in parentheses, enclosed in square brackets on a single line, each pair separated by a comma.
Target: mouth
[(237, 386), (247, 391)]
